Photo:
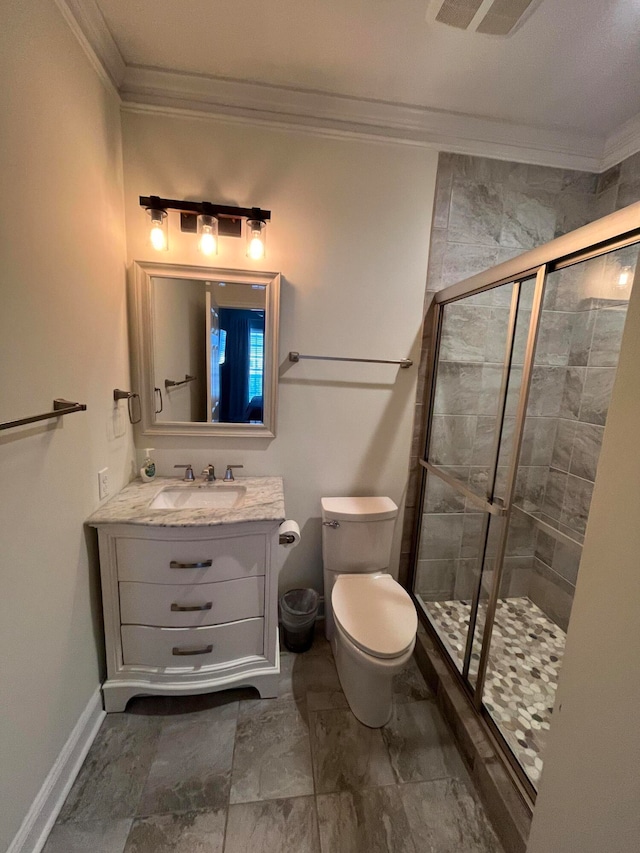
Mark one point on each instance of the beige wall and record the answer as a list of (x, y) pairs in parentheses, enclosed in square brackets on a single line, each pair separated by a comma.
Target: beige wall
[(589, 798), (179, 325), (62, 333), (349, 233)]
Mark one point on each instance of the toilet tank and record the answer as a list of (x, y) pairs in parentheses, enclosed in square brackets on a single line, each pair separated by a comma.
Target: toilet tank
[(360, 540)]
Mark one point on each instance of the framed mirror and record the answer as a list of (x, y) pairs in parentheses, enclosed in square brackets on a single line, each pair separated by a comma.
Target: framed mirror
[(206, 349)]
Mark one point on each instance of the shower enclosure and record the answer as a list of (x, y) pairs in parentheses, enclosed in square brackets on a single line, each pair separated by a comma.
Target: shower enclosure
[(522, 365)]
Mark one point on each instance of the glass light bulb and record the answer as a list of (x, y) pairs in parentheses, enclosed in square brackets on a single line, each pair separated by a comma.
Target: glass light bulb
[(256, 233), (256, 248), (207, 243), (158, 232), (207, 229), (157, 237)]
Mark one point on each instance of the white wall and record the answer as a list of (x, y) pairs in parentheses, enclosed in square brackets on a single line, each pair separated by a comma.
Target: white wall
[(349, 232), (589, 798), (62, 333)]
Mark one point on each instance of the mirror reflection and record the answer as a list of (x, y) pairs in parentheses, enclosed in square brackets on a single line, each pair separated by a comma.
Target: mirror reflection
[(205, 349), (208, 350)]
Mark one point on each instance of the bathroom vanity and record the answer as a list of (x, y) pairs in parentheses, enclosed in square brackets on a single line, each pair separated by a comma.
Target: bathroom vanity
[(189, 577)]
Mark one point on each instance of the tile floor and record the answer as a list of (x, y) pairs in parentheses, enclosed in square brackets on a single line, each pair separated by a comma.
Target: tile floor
[(228, 773), (522, 673)]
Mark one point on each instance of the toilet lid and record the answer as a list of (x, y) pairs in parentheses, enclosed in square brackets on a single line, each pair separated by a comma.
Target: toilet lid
[(358, 509), (375, 612)]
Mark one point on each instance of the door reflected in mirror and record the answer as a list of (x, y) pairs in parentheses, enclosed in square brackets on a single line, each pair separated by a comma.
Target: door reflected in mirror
[(207, 349)]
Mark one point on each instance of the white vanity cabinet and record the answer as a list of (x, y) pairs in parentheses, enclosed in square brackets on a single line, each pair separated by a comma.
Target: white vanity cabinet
[(189, 609)]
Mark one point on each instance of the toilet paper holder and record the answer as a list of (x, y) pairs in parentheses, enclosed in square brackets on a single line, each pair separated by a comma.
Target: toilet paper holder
[(286, 538)]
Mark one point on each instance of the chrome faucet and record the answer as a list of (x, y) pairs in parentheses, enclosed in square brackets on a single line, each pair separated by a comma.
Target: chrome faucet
[(189, 476), (228, 474), (209, 473)]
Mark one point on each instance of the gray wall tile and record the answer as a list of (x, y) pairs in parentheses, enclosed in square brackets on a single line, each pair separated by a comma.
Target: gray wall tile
[(554, 493), (528, 220), (476, 213), (586, 450), (607, 337), (463, 260), (572, 392), (441, 537), (563, 445), (596, 393), (452, 436), (554, 338), (464, 333), (582, 324), (440, 497), (436, 579), (576, 503)]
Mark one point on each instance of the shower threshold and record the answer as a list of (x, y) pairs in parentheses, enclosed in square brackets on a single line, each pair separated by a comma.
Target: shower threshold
[(522, 673)]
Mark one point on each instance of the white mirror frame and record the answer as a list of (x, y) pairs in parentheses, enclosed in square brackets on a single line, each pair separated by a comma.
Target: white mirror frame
[(143, 349)]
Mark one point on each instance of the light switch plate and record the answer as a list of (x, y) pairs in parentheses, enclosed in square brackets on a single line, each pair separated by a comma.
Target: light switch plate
[(103, 483)]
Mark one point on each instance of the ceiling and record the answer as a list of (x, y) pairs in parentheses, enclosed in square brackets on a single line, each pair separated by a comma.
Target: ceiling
[(567, 81)]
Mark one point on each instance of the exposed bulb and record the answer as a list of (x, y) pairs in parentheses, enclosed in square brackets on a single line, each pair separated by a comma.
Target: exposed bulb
[(207, 234), (207, 244), (158, 233), (624, 277), (256, 248), (157, 238), (256, 233)]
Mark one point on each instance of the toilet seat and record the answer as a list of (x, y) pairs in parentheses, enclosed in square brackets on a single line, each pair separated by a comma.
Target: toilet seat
[(375, 613)]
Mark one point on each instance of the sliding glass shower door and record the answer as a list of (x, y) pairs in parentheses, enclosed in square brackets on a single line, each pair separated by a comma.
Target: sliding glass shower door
[(480, 349), (521, 374)]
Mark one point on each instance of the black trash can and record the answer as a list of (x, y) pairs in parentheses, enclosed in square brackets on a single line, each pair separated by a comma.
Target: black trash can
[(298, 611)]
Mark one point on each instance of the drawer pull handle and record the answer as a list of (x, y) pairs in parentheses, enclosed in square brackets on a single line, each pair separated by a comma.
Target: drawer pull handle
[(205, 564), (181, 608), (198, 650)]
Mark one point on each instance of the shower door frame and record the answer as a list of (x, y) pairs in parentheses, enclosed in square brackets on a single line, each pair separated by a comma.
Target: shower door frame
[(601, 237)]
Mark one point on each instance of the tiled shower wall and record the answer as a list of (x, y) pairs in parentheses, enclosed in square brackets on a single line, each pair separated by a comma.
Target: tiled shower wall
[(487, 211), (593, 312)]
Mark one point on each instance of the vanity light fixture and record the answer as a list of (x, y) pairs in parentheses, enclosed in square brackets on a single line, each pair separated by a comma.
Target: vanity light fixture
[(209, 221)]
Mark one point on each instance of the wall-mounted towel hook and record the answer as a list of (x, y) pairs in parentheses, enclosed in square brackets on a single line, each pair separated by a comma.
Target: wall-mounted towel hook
[(129, 396)]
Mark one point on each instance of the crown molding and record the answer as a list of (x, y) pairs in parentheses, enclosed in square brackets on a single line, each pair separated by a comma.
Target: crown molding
[(171, 92), (89, 27), (343, 115), (622, 143)]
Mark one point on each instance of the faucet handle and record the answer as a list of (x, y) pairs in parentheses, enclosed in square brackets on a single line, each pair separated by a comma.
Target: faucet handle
[(189, 476), (228, 474)]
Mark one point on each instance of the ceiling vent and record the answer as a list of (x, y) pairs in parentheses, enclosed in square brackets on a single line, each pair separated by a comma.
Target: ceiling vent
[(490, 17)]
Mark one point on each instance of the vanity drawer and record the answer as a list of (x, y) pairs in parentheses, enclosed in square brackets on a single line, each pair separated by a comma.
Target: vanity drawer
[(192, 647), (185, 605), (183, 562)]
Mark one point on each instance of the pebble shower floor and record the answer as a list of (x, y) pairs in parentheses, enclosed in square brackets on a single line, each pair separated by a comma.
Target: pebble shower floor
[(522, 673)]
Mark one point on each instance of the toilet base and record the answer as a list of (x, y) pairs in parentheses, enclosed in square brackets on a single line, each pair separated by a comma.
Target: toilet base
[(367, 682)]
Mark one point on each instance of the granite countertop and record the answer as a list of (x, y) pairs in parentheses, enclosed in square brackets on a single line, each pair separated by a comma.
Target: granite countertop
[(263, 501)]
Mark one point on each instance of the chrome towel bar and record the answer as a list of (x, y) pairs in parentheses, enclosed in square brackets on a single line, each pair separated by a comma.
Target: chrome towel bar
[(175, 383), (60, 407), (403, 362)]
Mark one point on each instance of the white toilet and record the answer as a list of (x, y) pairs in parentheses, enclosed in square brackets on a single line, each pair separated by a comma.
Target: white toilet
[(370, 619)]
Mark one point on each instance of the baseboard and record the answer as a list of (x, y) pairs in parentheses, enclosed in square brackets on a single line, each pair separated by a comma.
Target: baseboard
[(36, 826)]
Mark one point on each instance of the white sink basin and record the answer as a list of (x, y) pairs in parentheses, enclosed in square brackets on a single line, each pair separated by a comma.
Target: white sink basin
[(199, 497)]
